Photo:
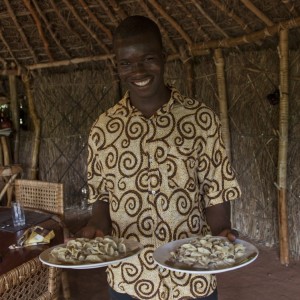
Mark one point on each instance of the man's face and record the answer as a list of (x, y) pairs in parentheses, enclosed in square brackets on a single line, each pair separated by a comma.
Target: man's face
[(140, 63)]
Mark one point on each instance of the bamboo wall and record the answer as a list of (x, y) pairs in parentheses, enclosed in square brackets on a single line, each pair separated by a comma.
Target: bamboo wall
[(68, 104)]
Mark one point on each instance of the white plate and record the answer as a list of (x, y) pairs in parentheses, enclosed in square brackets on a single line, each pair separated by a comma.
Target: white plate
[(162, 257), (133, 248)]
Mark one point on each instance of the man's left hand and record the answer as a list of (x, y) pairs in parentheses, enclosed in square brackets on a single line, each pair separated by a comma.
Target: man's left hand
[(231, 234)]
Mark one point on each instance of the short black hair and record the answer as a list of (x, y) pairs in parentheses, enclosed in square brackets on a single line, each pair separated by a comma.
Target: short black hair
[(136, 25)]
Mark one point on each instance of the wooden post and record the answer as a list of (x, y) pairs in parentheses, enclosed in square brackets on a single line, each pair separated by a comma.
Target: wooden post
[(219, 62), (33, 171), (6, 162), (14, 108), (5, 149), (283, 147), (188, 71)]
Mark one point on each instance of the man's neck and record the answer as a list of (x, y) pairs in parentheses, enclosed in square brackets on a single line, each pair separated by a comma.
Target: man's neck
[(149, 106)]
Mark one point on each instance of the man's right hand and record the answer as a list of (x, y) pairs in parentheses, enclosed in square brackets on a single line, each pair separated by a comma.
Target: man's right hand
[(89, 232)]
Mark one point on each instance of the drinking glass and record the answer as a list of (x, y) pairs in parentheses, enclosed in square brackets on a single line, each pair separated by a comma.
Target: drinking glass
[(18, 214)]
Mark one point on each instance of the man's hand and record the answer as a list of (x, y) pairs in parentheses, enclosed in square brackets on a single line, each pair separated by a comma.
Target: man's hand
[(231, 234), (99, 223), (89, 232), (218, 219)]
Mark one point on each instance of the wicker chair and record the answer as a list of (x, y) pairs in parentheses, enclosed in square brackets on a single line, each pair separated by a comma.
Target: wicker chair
[(46, 197), (31, 280)]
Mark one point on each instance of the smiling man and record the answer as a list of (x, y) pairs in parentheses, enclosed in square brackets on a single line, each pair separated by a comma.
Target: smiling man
[(140, 61), (157, 171)]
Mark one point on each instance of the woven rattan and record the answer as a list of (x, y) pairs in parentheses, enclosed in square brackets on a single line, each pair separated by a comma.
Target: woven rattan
[(31, 280), (45, 196)]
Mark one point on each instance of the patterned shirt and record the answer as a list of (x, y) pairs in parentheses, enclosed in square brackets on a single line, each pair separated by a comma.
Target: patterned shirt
[(158, 175)]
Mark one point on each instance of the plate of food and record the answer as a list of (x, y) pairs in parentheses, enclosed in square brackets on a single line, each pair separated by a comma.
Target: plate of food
[(83, 253), (205, 255)]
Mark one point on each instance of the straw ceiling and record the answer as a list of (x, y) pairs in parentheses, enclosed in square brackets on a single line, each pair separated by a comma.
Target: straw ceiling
[(54, 33)]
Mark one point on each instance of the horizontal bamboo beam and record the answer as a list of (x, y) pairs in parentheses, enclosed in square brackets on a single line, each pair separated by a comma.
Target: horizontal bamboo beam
[(247, 38), (80, 60), (67, 62), (195, 50)]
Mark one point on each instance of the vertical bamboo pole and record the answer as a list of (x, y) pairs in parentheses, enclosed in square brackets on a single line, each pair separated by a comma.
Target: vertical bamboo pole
[(189, 76), (1, 155), (33, 171), (188, 72), (6, 162), (283, 146), (5, 149), (14, 108), (220, 69)]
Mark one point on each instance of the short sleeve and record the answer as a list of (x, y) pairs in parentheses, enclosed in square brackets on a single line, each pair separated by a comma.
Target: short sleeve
[(95, 175), (216, 175)]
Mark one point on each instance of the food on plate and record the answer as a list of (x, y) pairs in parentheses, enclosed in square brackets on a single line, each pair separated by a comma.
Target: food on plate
[(207, 252), (83, 250)]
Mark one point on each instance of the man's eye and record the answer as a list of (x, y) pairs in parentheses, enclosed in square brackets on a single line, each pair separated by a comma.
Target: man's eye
[(124, 64), (149, 58)]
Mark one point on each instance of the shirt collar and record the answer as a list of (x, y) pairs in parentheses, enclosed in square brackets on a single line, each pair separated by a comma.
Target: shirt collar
[(176, 97)]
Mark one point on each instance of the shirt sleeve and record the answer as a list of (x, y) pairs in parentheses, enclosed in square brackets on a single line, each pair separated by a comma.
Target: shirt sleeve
[(216, 175), (95, 175)]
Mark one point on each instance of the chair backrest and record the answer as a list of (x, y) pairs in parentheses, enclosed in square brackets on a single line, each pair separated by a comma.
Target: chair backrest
[(31, 280), (41, 195)]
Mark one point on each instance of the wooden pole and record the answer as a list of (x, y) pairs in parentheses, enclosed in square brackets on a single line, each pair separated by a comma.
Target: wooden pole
[(33, 171), (6, 162), (220, 69), (247, 38), (14, 108), (5, 149), (283, 147), (188, 72), (223, 105)]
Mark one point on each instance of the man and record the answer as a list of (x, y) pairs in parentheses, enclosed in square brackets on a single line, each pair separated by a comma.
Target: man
[(157, 171)]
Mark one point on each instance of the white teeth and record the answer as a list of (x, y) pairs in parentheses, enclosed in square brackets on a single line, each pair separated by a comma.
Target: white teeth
[(142, 83)]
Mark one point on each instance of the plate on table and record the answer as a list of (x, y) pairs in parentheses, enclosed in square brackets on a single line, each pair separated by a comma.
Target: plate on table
[(162, 256), (132, 248)]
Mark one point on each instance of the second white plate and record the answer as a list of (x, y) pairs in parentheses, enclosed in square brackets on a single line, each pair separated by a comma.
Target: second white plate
[(162, 257)]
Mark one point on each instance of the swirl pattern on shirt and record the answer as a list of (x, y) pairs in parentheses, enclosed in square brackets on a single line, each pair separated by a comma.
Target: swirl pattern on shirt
[(158, 175)]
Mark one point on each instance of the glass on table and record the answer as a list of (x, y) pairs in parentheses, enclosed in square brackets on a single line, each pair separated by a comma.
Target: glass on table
[(18, 214)]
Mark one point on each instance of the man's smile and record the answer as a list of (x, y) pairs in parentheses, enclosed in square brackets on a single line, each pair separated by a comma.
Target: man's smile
[(141, 83)]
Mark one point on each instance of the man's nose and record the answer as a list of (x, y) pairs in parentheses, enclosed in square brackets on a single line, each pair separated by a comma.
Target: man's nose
[(138, 66)]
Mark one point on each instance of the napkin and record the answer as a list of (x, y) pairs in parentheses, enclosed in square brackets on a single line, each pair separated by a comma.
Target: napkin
[(33, 236)]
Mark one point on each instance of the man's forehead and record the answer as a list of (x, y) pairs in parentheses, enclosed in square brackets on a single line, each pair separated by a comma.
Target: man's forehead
[(138, 41)]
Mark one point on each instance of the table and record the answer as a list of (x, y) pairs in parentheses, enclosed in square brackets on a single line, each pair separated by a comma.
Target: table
[(23, 264)]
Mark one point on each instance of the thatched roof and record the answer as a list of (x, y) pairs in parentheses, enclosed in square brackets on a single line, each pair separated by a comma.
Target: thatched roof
[(54, 33)]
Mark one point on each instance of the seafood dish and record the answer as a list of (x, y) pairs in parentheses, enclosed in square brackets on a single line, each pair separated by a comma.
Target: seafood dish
[(99, 249), (207, 252)]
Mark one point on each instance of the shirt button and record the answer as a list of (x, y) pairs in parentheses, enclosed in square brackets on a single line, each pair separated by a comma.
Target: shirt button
[(153, 192)]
